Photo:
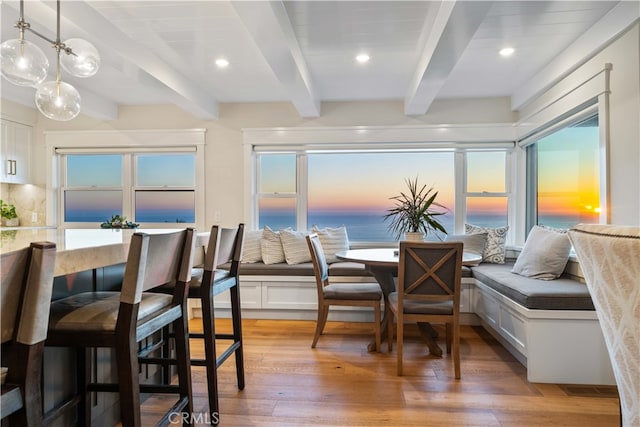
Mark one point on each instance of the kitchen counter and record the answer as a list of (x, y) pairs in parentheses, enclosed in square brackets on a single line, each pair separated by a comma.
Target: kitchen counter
[(77, 249)]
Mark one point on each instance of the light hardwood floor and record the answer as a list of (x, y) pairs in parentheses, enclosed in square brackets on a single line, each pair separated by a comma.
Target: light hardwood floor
[(340, 384)]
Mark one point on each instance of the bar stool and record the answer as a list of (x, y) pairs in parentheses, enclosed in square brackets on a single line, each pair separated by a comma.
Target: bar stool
[(27, 284), (224, 249), (120, 320)]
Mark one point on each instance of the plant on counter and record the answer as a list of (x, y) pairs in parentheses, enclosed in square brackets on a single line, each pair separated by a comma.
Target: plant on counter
[(8, 214), (413, 211), (118, 221)]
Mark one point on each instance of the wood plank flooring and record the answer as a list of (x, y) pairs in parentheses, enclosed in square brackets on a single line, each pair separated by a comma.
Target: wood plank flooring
[(340, 384)]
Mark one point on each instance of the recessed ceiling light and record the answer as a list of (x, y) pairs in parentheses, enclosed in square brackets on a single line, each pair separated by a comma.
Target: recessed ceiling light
[(507, 51), (222, 63), (362, 58)]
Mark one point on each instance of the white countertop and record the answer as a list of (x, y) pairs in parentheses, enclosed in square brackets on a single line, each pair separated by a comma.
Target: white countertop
[(77, 249)]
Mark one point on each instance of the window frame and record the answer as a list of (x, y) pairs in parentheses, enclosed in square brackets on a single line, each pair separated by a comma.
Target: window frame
[(459, 138), (121, 142), (529, 144)]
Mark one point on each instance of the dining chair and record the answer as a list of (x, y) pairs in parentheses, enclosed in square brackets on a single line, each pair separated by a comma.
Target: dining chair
[(27, 284), (341, 294), (429, 276), (224, 248), (120, 320), (609, 256)]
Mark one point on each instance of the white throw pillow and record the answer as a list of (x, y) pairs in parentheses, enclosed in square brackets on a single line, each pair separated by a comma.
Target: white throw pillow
[(544, 255), (333, 240), (473, 243), (295, 246), (496, 238), (271, 246), (252, 247)]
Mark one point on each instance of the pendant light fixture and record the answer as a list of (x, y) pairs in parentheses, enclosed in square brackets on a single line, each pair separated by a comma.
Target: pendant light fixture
[(24, 64)]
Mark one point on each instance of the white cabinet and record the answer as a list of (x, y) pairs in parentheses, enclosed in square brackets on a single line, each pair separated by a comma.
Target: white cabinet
[(15, 151)]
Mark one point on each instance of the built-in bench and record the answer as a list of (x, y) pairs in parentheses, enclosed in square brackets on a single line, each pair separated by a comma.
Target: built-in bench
[(551, 327)]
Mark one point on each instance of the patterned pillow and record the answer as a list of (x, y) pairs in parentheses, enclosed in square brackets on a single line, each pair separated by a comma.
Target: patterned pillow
[(496, 238), (271, 247), (251, 247), (295, 246), (333, 240)]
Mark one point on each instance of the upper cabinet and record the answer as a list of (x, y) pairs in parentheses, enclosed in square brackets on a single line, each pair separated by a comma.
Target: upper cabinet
[(15, 151)]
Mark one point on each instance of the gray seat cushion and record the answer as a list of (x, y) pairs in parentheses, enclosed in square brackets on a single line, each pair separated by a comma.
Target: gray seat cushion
[(303, 269), (558, 294), (98, 311), (353, 291), (415, 307)]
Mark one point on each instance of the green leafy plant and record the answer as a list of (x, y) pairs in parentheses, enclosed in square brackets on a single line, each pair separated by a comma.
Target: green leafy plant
[(118, 221), (7, 211), (414, 211)]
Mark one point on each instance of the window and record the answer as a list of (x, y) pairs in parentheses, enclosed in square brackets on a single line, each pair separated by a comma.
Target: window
[(565, 176), (151, 188), (353, 188), (486, 197)]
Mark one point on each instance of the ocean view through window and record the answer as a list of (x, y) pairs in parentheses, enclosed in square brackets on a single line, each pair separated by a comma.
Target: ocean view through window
[(354, 189), (152, 188), (568, 175)]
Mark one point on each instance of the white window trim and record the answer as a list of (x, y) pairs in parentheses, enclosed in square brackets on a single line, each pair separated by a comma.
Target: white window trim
[(127, 141), (373, 138)]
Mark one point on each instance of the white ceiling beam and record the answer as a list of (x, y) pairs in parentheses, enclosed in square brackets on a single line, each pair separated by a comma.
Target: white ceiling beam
[(89, 21), (445, 36), (271, 29), (621, 17)]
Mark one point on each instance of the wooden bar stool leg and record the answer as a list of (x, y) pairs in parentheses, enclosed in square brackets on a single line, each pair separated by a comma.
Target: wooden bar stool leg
[(209, 331), (83, 360), (237, 334)]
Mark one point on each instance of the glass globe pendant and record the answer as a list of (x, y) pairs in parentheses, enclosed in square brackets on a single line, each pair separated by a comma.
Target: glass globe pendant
[(58, 100), (84, 60), (23, 63)]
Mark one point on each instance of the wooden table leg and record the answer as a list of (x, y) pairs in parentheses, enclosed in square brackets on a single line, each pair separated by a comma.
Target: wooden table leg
[(429, 334), (384, 276)]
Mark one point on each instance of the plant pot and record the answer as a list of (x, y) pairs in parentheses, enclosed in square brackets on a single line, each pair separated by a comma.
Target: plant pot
[(12, 222), (413, 236)]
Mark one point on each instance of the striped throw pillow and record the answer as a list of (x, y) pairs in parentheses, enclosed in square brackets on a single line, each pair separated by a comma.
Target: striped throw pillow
[(271, 247), (333, 240), (295, 246), (251, 247)]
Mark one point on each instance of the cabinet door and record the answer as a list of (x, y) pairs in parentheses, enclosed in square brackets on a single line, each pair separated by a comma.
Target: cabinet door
[(16, 147)]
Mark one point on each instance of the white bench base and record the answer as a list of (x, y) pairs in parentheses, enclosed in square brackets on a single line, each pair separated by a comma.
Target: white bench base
[(556, 346)]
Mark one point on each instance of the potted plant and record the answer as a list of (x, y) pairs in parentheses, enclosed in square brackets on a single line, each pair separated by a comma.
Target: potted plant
[(9, 215), (413, 215)]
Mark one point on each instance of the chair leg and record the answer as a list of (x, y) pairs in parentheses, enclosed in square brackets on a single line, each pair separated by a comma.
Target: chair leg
[(456, 348), (209, 331), (323, 314), (448, 336), (83, 361), (183, 357), (128, 381), (376, 326), (236, 315), (389, 329), (400, 338)]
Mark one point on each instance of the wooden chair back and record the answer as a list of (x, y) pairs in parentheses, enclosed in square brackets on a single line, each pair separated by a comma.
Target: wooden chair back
[(429, 272), (27, 284), (148, 265), (319, 261)]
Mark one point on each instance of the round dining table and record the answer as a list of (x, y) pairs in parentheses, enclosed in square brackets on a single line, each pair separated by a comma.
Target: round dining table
[(383, 265)]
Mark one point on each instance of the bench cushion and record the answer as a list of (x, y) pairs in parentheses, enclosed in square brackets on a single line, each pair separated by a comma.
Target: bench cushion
[(352, 269), (559, 294)]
